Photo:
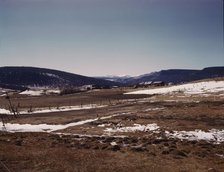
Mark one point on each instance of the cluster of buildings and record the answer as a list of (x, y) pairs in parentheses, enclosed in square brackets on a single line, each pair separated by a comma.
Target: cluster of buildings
[(151, 84)]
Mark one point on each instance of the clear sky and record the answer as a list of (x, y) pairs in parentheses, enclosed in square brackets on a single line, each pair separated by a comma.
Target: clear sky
[(102, 37)]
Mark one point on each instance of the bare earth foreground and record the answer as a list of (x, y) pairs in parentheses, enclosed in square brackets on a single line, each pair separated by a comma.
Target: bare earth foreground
[(106, 130)]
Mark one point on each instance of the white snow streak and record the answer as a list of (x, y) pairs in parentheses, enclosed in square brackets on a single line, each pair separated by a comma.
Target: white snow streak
[(5, 111), (39, 92), (191, 88), (32, 92), (136, 127), (45, 127), (212, 135)]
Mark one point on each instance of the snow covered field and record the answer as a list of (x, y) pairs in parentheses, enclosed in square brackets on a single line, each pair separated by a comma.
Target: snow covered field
[(39, 92), (191, 88), (182, 124), (213, 135), (40, 127), (161, 118), (44, 127)]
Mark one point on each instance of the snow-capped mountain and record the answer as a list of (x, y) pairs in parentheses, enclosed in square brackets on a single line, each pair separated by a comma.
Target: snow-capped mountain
[(115, 78)]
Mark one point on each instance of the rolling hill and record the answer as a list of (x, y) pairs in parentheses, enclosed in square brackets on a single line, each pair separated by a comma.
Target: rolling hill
[(20, 77)]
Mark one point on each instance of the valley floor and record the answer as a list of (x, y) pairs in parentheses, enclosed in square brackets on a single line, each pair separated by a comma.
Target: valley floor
[(118, 132)]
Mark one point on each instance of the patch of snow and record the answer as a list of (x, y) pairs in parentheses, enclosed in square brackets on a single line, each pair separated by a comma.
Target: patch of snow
[(53, 91), (4, 111), (220, 155), (40, 92), (113, 80), (45, 127), (29, 128), (89, 135), (32, 92), (113, 143), (153, 109), (136, 127), (212, 135), (103, 125), (42, 127), (191, 88), (51, 75)]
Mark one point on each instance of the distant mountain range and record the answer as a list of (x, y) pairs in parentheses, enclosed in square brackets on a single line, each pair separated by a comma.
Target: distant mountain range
[(22, 77), (171, 75), (121, 79)]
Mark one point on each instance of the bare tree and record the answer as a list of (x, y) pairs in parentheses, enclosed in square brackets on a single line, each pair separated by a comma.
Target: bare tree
[(14, 110)]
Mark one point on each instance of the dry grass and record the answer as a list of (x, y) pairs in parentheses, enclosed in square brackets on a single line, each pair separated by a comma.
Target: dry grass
[(36, 153), (32, 152)]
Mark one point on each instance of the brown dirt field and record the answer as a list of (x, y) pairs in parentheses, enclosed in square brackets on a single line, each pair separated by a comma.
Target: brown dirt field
[(47, 152), (89, 148), (106, 96)]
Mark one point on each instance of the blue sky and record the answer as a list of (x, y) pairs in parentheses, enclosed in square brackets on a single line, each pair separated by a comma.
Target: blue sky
[(101, 37)]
